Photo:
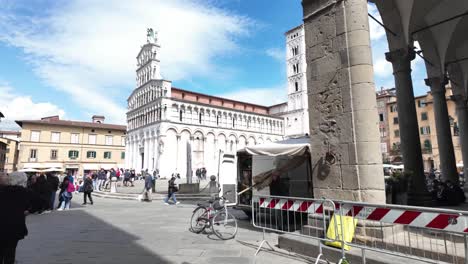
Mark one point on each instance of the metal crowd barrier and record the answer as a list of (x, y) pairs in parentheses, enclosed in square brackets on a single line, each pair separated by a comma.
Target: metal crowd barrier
[(425, 234)]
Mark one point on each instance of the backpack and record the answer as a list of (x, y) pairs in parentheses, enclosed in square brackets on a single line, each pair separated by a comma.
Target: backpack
[(70, 188)]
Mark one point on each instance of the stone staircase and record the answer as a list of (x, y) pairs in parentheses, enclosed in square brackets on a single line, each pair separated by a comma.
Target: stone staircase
[(155, 196)]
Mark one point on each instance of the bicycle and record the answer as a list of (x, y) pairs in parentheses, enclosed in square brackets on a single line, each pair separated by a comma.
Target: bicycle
[(216, 216)]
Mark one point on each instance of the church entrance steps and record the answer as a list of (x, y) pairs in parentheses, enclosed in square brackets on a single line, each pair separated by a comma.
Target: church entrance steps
[(155, 196)]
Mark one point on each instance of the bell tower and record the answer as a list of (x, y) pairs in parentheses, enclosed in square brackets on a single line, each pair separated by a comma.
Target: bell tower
[(148, 64)]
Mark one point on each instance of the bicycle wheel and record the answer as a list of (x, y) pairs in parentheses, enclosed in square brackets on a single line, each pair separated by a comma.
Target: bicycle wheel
[(199, 220), (224, 225)]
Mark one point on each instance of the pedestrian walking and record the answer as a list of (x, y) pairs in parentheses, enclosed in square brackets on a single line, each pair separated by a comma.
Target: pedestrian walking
[(171, 192), (198, 173), (67, 194), (214, 187), (16, 202), (54, 183), (203, 173), (88, 189), (126, 177), (132, 177), (101, 179), (148, 187)]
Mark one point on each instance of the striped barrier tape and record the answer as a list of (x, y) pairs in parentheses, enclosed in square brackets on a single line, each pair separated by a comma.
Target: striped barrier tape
[(440, 221)]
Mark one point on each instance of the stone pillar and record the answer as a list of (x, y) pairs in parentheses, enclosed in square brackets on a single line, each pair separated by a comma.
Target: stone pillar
[(156, 153), (177, 153), (346, 157), (408, 122), (150, 154), (128, 153), (462, 114), (138, 160), (146, 153), (448, 165)]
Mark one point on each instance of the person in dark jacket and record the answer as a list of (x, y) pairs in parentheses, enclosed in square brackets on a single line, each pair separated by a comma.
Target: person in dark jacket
[(101, 179), (42, 190), (16, 202), (148, 187), (171, 191), (63, 188), (88, 189), (54, 183)]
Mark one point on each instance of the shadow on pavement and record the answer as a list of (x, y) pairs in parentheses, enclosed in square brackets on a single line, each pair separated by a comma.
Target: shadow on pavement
[(92, 240)]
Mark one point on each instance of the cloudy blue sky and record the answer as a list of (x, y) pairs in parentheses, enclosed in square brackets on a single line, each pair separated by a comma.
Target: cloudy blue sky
[(76, 58)]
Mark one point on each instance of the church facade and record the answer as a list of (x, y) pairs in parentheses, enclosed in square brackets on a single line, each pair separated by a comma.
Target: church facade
[(170, 128)]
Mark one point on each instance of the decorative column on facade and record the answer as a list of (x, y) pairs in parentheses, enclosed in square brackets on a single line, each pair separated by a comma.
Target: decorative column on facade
[(408, 123), (150, 153), (146, 152), (156, 152), (138, 160), (205, 151), (177, 153), (462, 114), (128, 152), (447, 161)]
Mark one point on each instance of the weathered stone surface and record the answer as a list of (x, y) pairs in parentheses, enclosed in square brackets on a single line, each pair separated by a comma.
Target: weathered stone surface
[(360, 99), (366, 126), (362, 73), (359, 55), (349, 175), (342, 101)]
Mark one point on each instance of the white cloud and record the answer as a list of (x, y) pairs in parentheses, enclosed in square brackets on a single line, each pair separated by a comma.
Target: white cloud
[(17, 107), (277, 54), (260, 96), (382, 68), (88, 48)]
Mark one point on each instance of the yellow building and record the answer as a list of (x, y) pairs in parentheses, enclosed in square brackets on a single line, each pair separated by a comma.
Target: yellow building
[(12, 140), (427, 130), (74, 146)]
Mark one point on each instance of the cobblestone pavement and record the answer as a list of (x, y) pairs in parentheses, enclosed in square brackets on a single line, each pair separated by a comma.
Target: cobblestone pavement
[(119, 231)]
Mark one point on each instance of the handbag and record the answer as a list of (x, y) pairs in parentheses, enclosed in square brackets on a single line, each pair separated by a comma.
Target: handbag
[(70, 187)]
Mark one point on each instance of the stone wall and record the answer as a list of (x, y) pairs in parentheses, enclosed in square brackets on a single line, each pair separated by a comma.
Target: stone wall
[(346, 156)]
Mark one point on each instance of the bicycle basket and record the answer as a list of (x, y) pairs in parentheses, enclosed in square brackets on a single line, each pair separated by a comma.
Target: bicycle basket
[(218, 204)]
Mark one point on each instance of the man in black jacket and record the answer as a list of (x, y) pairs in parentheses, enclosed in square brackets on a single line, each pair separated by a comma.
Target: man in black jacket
[(148, 187), (53, 182), (15, 202)]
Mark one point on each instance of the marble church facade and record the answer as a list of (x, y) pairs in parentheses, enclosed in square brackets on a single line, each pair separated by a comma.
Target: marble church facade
[(166, 123)]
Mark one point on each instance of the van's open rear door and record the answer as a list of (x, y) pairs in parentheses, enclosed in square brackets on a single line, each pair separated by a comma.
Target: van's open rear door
[(228, 178)]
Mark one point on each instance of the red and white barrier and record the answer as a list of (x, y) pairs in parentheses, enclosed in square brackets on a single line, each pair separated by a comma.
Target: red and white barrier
[(417, 218)]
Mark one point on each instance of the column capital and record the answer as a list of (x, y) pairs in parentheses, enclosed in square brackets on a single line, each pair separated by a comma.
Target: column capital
[(437, 84), (401, 59), (460, 101)]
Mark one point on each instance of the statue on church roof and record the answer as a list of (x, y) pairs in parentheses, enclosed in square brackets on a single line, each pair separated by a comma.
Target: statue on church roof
[(151, 36)]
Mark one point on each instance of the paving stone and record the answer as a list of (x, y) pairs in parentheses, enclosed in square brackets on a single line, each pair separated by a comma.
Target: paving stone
[(122, 231)]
